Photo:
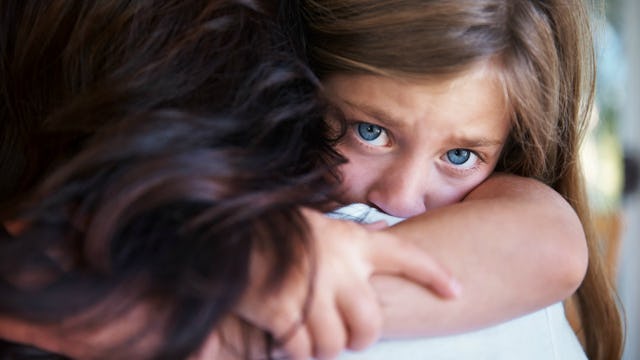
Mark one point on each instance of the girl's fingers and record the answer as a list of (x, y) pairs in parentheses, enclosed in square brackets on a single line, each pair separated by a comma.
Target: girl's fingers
[(296, 344), (280, 314), (362, 315), (326, 327)]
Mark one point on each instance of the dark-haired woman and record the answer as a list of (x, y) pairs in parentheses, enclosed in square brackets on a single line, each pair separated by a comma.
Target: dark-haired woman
[(154, 154)]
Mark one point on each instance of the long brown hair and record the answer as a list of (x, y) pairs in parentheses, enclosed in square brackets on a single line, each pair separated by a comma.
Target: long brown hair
[(545, 52), (151, 146)]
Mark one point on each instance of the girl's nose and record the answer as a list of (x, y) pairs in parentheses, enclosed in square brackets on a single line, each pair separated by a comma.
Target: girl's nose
[(402, 191)]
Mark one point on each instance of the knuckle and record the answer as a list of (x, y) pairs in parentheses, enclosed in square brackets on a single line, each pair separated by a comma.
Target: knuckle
[(297, 347), (366, 326), (331, 347), (281, 321), (364, 338), (329, 334)]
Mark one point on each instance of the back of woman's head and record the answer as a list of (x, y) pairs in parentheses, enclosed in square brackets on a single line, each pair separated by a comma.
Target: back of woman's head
[(150, 146), (61, 58), (544, 56)]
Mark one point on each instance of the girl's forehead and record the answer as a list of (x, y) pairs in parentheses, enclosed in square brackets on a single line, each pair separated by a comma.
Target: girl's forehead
[(487, 71), (490, 67), (467, 100)]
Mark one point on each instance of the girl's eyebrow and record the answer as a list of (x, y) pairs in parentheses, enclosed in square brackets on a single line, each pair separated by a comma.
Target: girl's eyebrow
[(475, 142), (379, 114)]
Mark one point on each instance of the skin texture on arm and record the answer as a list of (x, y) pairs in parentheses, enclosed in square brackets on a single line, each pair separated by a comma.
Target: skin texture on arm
[(514, 245)]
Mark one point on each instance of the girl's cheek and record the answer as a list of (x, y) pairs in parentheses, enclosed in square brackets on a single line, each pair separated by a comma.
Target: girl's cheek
[(352, 187)]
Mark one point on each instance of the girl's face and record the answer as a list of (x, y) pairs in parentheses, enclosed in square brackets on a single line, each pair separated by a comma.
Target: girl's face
[(416, 146)]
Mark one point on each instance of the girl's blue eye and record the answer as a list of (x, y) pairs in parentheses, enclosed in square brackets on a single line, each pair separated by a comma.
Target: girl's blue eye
[(372, 135), (458, 156), (369, 132)]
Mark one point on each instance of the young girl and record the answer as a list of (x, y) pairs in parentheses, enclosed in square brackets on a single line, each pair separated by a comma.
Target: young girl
[(437, 96)]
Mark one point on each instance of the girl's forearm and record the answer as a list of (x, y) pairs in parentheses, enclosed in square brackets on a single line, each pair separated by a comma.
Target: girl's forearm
[(515, 246)]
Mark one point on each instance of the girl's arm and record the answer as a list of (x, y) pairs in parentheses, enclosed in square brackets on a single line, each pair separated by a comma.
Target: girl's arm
[(514, 244)]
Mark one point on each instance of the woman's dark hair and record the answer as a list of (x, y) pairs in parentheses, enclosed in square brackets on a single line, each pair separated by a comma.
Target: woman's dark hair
[(151, 147)]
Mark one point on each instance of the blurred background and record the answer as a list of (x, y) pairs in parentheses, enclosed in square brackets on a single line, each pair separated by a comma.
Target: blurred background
[(611, 156)]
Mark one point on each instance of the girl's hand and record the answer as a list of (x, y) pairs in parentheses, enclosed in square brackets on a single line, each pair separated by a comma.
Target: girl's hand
[(343, 310)]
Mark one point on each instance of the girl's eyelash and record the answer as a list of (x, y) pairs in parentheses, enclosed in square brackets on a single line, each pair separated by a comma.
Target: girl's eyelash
[(482, 157)]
